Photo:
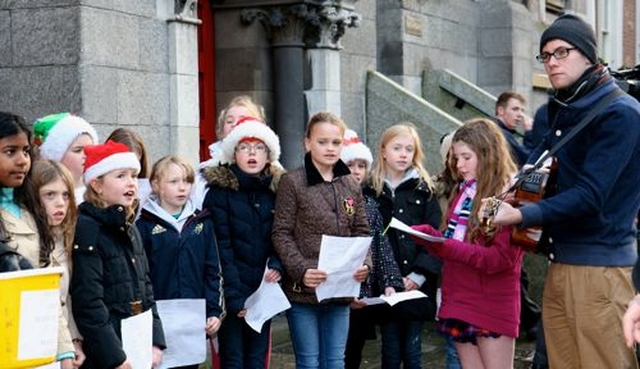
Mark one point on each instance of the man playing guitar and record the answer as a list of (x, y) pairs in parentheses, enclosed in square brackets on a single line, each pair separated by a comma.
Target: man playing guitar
[(590, 220)]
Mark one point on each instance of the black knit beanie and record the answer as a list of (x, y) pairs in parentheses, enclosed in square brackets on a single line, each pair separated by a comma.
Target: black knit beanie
[(575, 31)]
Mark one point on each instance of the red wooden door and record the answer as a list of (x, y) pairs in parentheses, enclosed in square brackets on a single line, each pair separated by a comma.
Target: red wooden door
[(206, 78)]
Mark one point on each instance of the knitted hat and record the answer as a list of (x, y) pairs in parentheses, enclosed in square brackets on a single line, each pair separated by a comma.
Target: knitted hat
[(56, 132), (103, 158), (575, 31), (250, 128), (353, 149)]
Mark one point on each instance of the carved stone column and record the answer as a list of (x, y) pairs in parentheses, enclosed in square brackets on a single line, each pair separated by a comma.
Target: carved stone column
[(324, 57), (317, 25), (286, 29), (183, 79)]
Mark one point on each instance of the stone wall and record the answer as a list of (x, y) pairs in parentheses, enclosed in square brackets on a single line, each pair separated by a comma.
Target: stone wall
[(356, 58), (112, 62), (36, 79)]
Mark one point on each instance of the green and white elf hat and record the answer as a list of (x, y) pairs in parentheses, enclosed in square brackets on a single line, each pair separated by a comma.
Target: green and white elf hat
[(56, 132)]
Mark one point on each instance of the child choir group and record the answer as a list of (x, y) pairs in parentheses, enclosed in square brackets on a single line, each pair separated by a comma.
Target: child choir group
[(215, 232)]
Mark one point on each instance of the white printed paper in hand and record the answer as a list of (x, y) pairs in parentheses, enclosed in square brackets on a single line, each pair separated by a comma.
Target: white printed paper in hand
[(394, 298), (397, 224), (267, 301), (183, 322), (340, 257), (137, 341), (38, 332)]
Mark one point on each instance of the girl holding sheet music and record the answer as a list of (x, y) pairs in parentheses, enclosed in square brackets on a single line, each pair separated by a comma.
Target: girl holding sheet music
[(481, 272), (110, 280), (179, 241), (385, 277), (241, 197), (402, 188), (320, 198)]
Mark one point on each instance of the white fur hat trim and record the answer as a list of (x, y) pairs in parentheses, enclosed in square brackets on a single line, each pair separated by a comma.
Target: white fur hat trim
[(121, 160), (62, 135), (251, 129)]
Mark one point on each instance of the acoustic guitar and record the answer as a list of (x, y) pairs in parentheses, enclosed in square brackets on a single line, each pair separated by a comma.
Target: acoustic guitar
[(532, 188)]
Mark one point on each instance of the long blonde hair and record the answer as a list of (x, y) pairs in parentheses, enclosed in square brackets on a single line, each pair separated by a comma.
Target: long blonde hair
[(379, 169), (255, 111), (495, 166), (45, 172)]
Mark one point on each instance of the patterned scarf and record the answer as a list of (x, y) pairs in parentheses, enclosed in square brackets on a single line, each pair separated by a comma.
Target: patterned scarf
[(457, 226)]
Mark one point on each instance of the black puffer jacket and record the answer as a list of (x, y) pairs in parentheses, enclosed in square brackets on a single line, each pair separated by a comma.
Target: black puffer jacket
[(11, 260), (243, 209), (110, 271), (413, 203)]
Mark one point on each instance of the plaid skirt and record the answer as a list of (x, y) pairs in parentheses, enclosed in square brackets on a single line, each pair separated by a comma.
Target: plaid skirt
[(463, 332)]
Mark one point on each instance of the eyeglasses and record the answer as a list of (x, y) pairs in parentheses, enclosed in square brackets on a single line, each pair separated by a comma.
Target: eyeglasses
[(559, 53), (247, 148)]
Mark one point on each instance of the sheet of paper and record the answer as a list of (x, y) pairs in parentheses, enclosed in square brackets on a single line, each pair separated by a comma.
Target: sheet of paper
[(403, 296), (340, 257), (137, 339), (397, 224), (394, 298), (265, 303), (373, 300), (183, 321), (38, 329)]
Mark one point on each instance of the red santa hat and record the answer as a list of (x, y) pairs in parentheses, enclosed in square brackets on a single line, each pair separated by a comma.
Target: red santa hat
[(250, 129), (102, 159), (354, 149)]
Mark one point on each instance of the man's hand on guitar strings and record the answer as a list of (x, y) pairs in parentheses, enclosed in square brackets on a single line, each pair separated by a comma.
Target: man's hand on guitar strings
[(501, 213)]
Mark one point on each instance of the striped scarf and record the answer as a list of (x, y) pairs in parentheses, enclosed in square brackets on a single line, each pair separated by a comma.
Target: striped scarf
[(457, 225)]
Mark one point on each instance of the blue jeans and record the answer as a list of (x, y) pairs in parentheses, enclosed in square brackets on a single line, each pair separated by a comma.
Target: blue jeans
[(318, 334), (452, 359), (401, 343), (241, 346)]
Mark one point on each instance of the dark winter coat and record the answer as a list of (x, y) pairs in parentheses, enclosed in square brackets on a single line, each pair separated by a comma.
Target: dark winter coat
[(591, 219), (519, 152), (110, 272), (412, 202), (11, 260), (184, 263), (243, 208), (308, 207)]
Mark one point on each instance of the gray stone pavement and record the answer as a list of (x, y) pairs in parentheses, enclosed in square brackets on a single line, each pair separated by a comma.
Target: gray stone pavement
[(432, 350)]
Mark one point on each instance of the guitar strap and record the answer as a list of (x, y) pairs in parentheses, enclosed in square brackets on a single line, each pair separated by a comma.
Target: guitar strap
[(602, 104)]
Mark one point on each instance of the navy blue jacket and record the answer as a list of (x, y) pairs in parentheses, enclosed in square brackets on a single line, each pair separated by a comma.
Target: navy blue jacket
[(591, 219), (243, 207), (519, 153), (184, 263)]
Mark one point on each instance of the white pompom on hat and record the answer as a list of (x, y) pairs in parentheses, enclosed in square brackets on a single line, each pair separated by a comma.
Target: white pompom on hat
[(250, 128), (56, 132), (103, 158), (354, 149)]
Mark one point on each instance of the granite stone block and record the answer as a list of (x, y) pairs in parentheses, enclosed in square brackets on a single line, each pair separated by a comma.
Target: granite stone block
[(6, 56), (37, 91), (99, 93), (146, 8), (48, 36), (110, 38), (142, 98), (153, 45)]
